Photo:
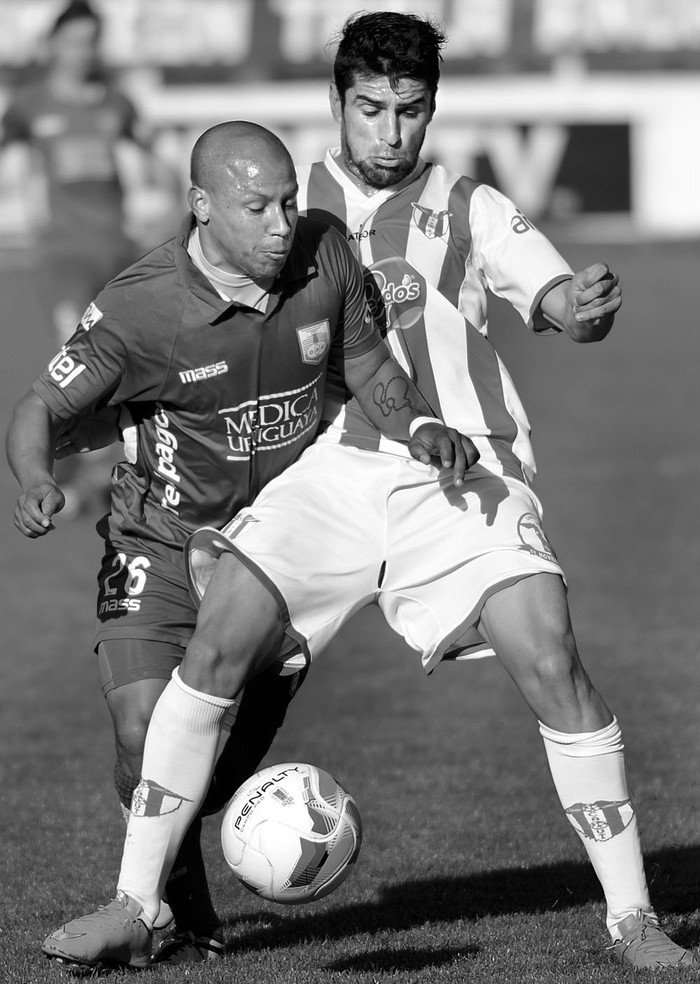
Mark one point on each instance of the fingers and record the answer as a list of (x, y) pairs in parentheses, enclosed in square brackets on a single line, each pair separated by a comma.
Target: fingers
[(454, 450), (596, 292), (35, 509)]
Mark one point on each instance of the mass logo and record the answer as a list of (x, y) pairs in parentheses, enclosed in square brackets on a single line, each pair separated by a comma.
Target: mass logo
[(314, 342), (394, 293), (433, 225)]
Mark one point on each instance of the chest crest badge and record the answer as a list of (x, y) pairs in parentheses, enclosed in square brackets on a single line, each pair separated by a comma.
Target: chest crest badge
[(314, 342), (433, 225)]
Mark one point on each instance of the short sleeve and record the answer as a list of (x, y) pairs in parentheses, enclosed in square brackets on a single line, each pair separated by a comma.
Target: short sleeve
[(517, 261), (357, 332), (86, 374)]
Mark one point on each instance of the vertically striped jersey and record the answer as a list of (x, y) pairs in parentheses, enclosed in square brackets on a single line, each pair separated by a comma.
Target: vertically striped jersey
[(431, 247)]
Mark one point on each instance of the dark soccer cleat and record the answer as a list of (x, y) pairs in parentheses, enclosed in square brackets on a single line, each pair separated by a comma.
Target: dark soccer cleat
[(118, 933), (185, 947), (641, 943)]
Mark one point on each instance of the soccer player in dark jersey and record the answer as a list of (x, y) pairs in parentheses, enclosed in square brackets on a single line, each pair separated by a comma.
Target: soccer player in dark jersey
[(463, 573), (76, 125), (215, 347)]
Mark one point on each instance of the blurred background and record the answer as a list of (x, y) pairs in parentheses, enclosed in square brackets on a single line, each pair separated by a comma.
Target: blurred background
[(585, 112)]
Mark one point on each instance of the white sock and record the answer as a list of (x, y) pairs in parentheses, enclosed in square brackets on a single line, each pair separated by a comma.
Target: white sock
[(589, 775), (178, 760)]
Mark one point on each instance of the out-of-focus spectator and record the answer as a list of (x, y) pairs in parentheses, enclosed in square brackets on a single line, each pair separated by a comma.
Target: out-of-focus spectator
[(84, 138)]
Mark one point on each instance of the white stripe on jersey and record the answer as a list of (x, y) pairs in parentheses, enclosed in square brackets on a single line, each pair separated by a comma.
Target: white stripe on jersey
[(441, 340)]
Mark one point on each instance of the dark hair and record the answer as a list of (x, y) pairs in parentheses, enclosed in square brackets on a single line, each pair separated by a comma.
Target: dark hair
[(76, 10), (386, 43)]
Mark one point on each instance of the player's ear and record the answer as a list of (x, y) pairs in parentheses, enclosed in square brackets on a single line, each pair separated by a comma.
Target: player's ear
[(199, 203), (336, 102), (432, 108)]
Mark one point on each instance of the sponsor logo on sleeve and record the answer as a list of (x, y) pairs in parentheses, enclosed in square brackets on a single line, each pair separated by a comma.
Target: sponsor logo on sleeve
[(91, 317), (520, 224)]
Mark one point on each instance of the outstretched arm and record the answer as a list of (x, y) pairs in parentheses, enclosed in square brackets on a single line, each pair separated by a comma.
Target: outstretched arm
[(585, 306), (392, 402), (30, 442)]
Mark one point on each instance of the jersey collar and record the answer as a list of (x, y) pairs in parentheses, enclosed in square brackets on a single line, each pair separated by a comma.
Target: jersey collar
[(299, 266)]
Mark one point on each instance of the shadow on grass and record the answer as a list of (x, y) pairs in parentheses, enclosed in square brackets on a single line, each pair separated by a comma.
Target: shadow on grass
[(673, 875), (407, 958)]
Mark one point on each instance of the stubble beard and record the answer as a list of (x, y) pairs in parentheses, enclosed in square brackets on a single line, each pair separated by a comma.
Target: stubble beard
[(374, 175)]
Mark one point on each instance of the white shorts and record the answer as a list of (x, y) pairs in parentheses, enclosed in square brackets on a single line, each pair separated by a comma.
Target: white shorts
[(343, 528)]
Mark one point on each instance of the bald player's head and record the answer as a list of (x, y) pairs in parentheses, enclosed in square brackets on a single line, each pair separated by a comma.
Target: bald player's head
[(224, 146), (243, 197)]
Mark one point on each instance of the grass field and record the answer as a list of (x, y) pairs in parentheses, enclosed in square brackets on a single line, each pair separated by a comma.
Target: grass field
[(469, 871)]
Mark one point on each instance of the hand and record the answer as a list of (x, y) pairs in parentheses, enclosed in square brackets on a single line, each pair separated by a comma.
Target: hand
[(595, 297), (35, 508), (434, 440)]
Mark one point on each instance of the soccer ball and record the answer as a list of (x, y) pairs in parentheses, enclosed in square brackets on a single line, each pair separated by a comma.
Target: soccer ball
[(291, 833)]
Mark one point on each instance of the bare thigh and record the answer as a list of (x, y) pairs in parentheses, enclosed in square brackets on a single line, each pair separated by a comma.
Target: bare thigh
[(239, 631)]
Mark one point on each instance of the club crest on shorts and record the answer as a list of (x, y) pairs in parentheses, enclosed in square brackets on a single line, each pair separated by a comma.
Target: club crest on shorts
[(91, 317), (433, 225), (314, 342), (532, 537), (600, 821)]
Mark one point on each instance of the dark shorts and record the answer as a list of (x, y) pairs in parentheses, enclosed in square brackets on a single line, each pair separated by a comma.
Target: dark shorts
[(145, 614)]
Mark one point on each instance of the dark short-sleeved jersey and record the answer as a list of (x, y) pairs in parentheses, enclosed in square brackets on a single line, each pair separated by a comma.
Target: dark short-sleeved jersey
[(75, 143), (222, 397)]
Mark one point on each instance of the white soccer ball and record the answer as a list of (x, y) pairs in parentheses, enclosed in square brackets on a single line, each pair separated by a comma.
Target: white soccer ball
[(291, 833)]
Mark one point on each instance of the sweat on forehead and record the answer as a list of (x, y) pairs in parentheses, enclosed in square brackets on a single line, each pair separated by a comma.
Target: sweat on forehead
[(231, 146)]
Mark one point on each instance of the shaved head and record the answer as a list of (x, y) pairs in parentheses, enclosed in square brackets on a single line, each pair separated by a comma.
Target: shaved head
[(244, 198), (230, 149)]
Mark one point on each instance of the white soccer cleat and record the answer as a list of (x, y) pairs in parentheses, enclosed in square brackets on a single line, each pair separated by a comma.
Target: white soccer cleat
[(641, 943), (119, 933)]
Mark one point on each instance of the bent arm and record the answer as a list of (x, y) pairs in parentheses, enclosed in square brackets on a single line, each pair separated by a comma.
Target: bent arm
[(392, 402), (386, 394), (29, 444)]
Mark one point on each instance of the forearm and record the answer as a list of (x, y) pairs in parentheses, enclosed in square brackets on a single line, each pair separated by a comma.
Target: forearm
[(29, 442), (387, 396)]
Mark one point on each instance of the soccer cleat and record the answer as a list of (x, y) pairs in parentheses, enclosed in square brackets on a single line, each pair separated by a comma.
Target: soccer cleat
[(118, 933), (641, 943), (185, 947)]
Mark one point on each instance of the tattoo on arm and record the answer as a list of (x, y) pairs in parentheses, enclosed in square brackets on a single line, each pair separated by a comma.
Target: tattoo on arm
[(392, 397)]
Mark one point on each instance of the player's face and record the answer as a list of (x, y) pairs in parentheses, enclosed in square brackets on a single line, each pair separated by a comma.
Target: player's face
[(74, 48), (248, 222), (382, 129)]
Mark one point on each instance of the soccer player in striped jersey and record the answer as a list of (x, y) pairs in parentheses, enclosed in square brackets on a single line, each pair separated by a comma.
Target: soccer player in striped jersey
[(457, 571)]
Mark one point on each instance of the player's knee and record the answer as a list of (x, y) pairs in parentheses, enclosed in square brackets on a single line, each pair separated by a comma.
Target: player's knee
[(130, 738), (216, 664), (131, 708)]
